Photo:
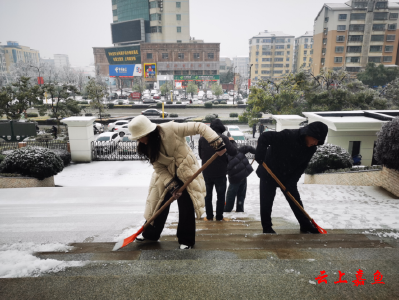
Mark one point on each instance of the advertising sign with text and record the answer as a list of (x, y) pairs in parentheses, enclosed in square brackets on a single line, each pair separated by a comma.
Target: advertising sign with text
[(125, 70)]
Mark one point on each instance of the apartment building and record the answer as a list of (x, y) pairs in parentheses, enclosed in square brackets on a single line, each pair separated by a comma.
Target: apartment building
[(61, 60), (15, 53), (3, 67), (241, 65), (303, 52), (161, 21), (225, 65), (271, 54), (352, 34)]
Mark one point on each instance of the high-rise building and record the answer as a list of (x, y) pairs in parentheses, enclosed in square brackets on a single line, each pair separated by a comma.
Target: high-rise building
[(155, 21), (225, 65), (303, 52), (3, 67), (271, 54), (61, 60), (15, 53), (241, 65), (352, 34)]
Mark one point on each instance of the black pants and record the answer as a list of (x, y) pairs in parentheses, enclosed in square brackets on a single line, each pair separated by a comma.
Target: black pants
[(185, 228), (267, 194), (220, 184)]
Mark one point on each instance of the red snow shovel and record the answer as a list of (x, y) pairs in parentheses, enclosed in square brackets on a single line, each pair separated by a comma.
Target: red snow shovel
[(321, 230), (131, 238)]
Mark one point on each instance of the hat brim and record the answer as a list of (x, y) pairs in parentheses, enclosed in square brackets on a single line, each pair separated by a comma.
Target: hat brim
[(151, 129)]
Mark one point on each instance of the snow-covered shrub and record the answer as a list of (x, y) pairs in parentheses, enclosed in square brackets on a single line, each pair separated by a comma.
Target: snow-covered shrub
[(39, 163), (240, 102), (2, 158), (178, 102), (215, 102), (64, 155), (208, 104), (159, 105), (223, 102), (329, 157), (210, 118), (233, 115), (387, 148)]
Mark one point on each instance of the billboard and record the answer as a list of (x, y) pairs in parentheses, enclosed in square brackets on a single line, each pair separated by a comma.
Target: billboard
[(123, 55), (150, 70), (129, 31), (125, 70)]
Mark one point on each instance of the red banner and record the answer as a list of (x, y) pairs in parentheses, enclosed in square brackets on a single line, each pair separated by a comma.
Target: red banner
[(249, 82), (40, 80)]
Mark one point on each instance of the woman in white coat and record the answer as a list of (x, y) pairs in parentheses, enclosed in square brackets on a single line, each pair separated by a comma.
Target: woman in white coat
[(174, 163)]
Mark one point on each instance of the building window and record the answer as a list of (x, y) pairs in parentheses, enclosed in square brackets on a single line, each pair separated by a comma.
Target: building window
[(155, 17), (165, 55), (178, 29), (341, 27), (179, 41), (265, 72), (359, 5), (339, 49), (353, 59), (325, 41), (153, 4), (287, 59), (323, 60), (178, 17), (375, 59), (381, 5), (257, 41), (340, 38), (391, 37), (387, 59), (326, 19), (211, 55), (178, 4), (304, 59), (196, 55), (279, 53), (266, 65), (353, 69), (279, 46), (180, 55), (114, 12), (278, 72), (278, 65), (305, 52), (355, 38), (393, 16), (149, 55), (323, 51), (388, 48), (392, 26), (337, 60), (379, 27), (358, 16), (267, 41), (354, 49), (381, 16), (154, 29), (177, 72), (288, 46), (305, 46), (256, 72), (375, 48), (257, 53), (266, 59), (342, 17), (266, 53), (288, 52), (377, 38), (325, 31), (279, 41), (356, 27), (279, 59)]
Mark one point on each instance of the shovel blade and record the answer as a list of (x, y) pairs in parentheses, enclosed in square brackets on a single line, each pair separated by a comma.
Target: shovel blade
[(321, 230), (127, 241)]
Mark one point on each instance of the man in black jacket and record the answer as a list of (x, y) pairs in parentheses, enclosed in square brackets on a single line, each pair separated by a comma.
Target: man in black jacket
[(215, 174), (238, 169), (287, 154), (253, 130)]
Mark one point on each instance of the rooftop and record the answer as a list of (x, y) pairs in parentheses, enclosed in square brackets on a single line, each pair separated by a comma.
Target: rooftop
[(267, 33)]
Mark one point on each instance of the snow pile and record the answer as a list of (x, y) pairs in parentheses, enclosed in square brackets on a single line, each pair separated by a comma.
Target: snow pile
[(390, 234), (16, 260)]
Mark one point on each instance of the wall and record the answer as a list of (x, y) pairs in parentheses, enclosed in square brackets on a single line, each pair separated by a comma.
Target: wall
[(367, 139), (25, 182), (387, 179)]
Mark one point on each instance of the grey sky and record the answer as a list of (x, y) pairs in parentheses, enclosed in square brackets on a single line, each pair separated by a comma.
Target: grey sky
[(73, 27)]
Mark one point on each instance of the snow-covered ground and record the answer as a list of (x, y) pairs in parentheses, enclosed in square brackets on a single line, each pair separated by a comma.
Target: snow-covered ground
[(105, 201)]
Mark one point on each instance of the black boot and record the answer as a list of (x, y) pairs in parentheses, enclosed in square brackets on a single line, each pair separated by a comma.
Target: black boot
[(309, 229), (269, 230)]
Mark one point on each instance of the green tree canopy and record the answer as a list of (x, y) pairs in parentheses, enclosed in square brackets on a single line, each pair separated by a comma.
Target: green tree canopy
[(375, 76), (217, 89), (97, 91), (192, 88)]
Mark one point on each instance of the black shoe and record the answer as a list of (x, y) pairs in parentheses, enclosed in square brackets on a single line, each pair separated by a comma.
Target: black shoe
[(269, 230), (309, 229)]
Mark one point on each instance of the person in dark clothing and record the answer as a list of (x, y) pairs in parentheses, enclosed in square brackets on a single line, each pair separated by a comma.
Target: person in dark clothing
[(238, 169), (253, 130), (55, 131), (215, 174), (261, 128), (287, 154)]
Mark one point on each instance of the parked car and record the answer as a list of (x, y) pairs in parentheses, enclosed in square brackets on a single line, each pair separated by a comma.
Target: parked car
[(225, 97), (201, 95), (234, 132), (156, 97), (122, 96), (122, 130), (153, 92), (209, 95), (99, 127), (231, 93), (153, 112), (135, 95), (106, 142), (111, 126), (149, 100), (126, 146)]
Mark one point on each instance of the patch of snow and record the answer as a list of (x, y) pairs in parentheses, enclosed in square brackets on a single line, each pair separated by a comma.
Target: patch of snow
[(312, 282)]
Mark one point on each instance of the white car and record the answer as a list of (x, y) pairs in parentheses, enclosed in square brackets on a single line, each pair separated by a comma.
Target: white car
[(122, 130), (209, 95), (99, 126), (153, 92), (201, 95), (234, 132), (111, 126), (107, 142), (225, 97)]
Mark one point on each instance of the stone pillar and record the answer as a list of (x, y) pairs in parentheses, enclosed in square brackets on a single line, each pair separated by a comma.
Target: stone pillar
[(80, 131), (287, 121)]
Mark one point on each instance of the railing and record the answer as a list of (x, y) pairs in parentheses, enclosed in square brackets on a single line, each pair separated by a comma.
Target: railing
[(4, 146)]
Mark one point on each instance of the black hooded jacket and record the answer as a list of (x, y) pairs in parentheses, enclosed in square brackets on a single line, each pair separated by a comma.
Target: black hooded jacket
[(218, 167), (286, 153), (239, 167)]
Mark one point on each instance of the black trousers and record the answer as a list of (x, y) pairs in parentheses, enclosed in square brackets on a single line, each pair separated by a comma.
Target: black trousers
[(186, 226), (267, 194)]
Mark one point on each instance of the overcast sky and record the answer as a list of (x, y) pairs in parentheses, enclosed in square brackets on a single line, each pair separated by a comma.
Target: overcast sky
[(73, 27)]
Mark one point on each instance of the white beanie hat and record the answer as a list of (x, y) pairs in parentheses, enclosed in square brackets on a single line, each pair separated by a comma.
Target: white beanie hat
[(140, 126)]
